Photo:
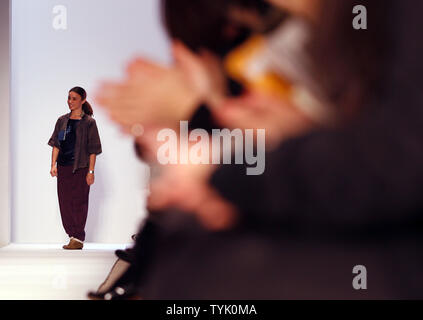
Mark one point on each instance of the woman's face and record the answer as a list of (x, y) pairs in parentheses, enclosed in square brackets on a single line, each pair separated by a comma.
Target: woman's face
[(75, 101)]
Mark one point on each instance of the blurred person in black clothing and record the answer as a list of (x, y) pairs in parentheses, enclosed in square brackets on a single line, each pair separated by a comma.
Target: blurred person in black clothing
[(329, 200)]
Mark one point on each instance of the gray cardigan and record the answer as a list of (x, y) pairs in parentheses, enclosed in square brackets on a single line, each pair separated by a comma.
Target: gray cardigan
[(87, 139)]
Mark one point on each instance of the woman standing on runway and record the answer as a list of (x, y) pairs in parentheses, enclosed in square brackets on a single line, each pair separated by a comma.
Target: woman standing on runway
[(76, 143)]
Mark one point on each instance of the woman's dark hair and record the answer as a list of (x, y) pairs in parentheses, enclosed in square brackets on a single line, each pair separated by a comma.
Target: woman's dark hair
[(86, 107), (349, 63), (206, 23)]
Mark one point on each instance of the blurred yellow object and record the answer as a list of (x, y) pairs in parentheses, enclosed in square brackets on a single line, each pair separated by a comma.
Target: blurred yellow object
[(249, 65), (253, 65)]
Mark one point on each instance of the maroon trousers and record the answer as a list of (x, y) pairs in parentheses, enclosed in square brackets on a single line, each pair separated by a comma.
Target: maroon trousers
[(73, 192)]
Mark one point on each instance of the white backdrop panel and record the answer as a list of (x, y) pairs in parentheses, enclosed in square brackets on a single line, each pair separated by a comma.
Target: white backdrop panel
[(101, 36)]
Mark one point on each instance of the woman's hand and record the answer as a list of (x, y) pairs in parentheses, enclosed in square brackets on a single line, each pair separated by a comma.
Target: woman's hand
[(204, 73), (280, 118), (90, 179), (53, 171), (155, 95)]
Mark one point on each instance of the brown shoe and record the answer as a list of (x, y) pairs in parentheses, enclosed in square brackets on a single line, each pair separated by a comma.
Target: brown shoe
[(73, 245)]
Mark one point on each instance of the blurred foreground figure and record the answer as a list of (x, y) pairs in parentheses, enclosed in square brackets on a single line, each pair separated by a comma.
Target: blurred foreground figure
[(330, 200)]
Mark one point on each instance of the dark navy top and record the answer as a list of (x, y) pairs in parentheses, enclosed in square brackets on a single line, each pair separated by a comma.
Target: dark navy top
[(67, 144)]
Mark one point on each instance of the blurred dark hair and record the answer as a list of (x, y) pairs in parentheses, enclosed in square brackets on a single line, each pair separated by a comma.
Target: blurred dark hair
[(206, 24), (86, 107), (350, 63)]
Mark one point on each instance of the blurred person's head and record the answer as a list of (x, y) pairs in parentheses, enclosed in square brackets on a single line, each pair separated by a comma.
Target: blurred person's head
[(77, 99), (309, 9), (257, 16), (218, 25)]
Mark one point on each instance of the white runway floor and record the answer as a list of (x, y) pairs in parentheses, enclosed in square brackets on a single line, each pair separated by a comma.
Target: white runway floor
[(47, 272)]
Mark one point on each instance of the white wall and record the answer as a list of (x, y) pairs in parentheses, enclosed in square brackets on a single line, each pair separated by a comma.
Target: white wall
[(4, 124), (101, 36)]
